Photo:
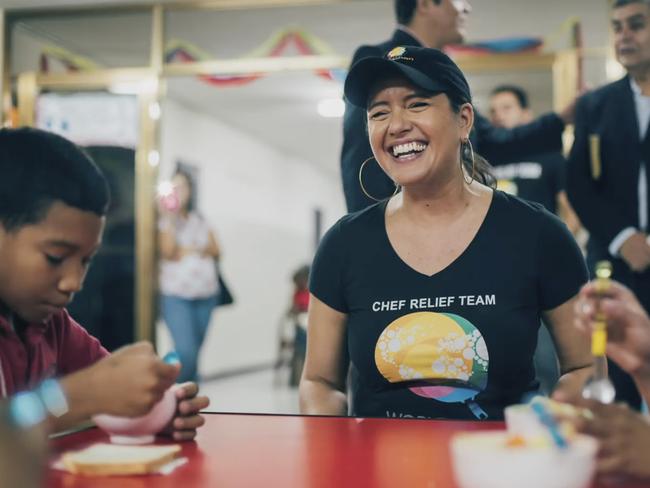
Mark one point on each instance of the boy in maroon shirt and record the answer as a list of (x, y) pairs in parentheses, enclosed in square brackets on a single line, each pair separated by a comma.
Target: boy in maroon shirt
[(53, 201)]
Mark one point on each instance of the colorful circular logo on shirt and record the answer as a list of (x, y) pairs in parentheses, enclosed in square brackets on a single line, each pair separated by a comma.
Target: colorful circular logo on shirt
[(443, 354)]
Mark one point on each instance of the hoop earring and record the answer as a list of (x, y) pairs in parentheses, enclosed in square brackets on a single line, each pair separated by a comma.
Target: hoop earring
[(363, 188), (467, 154)]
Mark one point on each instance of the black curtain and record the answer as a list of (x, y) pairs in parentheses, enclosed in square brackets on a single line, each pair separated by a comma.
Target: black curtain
[(105, 306)]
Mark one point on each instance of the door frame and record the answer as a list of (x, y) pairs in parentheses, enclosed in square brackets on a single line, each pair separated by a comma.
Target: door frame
[(30, 85)]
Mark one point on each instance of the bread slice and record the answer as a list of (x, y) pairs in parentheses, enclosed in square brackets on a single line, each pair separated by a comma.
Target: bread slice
[(112, 459)]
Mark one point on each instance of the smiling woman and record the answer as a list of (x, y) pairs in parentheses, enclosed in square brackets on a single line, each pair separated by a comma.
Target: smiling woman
[(466, 351), (443, 118)]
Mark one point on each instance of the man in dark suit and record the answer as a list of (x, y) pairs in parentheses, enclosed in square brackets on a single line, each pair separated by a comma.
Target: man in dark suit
[(609, 168), (434, 23)]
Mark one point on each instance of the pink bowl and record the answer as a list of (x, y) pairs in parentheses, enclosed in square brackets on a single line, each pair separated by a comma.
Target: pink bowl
[(139, 430)]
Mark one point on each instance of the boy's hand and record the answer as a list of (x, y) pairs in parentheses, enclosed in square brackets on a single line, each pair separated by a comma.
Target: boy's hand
[(187, 419), (624, 438), (134, 379), (130, 381)]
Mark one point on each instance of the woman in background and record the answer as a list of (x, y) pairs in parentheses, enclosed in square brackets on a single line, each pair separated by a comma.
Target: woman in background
[(188, 276)]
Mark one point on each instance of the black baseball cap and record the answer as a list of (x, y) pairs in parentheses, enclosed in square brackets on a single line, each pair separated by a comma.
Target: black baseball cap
[(429, 69)]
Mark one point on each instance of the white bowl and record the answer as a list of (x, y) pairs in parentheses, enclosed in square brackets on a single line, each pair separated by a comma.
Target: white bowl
[(522, 421), (143, 429), (483, 460)]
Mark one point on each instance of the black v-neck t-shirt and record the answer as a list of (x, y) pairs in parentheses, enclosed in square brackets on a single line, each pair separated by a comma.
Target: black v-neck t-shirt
[(458, 344)]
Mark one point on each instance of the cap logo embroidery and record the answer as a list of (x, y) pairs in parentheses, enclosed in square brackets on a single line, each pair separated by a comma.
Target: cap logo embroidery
[(397, 54)]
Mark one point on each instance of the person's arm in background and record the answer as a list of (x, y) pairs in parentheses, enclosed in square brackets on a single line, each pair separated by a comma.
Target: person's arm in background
[(212, 249), (322, 387), (567, 214), (564, 209), (542, 135), (167, 244), (600, 216)]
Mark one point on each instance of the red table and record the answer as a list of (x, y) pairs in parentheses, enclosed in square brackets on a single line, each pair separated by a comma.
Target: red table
[(235, 450)]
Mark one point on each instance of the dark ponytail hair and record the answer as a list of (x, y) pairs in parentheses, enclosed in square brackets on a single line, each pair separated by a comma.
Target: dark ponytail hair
[(479, 168)]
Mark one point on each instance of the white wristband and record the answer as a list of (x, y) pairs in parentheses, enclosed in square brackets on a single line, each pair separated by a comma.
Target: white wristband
[(53, 397)]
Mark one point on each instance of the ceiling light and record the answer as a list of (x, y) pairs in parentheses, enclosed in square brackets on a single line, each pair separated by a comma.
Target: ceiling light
[(153, 158), (331, 107), (154, 111)]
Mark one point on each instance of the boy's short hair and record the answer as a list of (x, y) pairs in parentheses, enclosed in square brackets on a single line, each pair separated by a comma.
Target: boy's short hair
[(405, 9), (38, 168), (519, 93)]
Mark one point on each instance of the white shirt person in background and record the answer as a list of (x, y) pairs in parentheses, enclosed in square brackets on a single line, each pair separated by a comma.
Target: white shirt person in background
[(188, 276)]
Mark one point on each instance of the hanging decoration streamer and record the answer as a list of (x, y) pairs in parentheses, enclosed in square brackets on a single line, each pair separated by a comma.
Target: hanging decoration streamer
[(177, 51), (276, 46), (70, 60)]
